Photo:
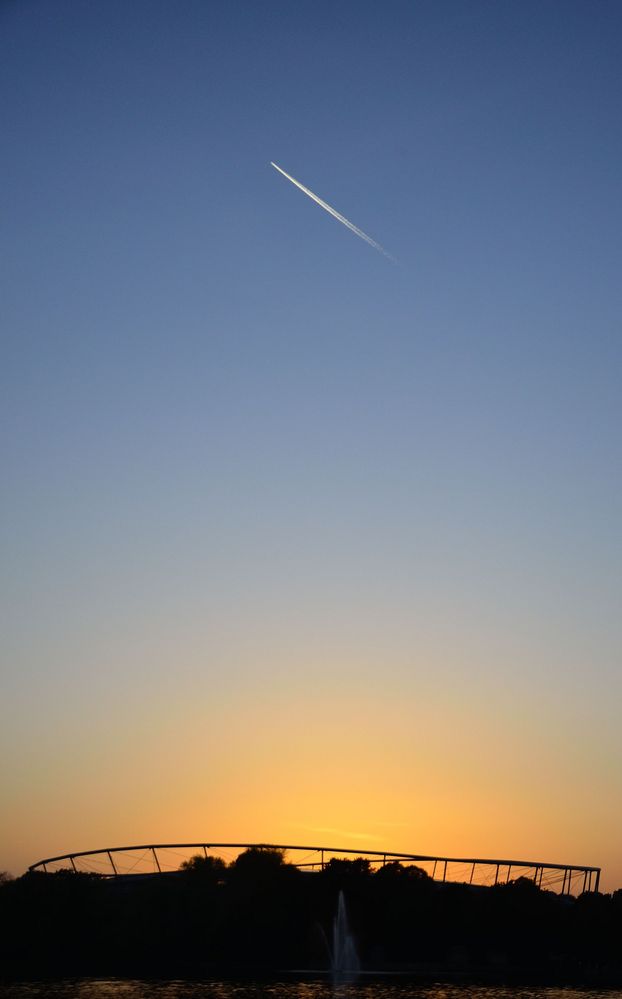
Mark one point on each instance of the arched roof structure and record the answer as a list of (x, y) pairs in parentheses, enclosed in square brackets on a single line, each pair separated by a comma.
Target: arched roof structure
[(163, 858)]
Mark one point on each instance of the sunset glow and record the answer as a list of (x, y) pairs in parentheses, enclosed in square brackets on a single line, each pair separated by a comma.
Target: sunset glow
[(301, 546)]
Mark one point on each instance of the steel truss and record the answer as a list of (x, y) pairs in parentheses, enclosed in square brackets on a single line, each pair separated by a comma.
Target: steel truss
[(155, 858)]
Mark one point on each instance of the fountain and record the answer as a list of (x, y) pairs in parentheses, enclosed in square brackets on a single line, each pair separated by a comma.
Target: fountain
[(344, 958)]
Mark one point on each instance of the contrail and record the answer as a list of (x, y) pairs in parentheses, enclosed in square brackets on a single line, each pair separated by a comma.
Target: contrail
[(336, 215)]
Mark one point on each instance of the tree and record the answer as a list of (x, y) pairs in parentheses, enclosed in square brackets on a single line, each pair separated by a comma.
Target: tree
[(206, 868), (394, 870), (259, 861)]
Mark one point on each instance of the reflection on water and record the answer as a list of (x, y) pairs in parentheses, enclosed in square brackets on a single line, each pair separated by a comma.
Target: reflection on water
[(395, 989)]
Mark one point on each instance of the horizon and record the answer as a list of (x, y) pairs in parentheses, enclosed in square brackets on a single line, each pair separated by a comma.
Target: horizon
[(166, 858), (297, 544), (469, 871)]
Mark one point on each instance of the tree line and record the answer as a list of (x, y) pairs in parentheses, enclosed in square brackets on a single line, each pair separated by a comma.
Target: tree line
[(261, 914)]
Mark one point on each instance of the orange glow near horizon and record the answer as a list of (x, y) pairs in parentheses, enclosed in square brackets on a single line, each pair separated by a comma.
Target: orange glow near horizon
[(351, 771)]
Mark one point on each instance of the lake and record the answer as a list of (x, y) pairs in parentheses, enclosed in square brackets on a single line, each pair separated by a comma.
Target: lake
[(315, 989)]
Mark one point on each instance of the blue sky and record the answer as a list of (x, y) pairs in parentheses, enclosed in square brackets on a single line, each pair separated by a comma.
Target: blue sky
[(242, 449)]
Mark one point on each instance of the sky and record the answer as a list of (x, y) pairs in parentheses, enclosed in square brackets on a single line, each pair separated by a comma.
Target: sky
[(301, 544)]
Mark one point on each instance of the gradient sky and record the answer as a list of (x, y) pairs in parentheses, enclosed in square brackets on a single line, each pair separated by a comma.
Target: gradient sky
[(299, 544)]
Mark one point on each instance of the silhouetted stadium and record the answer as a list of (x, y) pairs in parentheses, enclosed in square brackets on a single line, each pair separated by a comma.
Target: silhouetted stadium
[(165, 858)]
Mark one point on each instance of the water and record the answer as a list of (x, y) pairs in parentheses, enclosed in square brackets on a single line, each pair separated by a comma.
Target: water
[(344, 958), (325, 989)]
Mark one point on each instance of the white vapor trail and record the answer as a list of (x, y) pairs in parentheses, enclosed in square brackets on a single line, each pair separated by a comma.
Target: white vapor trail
[(336, 215)]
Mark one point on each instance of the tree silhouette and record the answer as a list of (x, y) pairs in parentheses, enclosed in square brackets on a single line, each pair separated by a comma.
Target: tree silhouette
[(206, 868), (261, 913)]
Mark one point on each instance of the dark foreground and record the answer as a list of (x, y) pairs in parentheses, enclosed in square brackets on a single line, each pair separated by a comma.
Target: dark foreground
[(261, 916), (133, 989)]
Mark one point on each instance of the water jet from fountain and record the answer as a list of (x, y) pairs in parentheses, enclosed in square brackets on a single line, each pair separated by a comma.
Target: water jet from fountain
[(344, 957)]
